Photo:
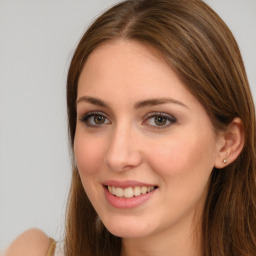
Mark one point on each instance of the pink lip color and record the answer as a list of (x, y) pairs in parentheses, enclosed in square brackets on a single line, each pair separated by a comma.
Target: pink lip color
[(126, 203)]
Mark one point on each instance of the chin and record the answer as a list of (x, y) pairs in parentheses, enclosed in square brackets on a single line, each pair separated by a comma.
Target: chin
[(127, 229), (128, 233)]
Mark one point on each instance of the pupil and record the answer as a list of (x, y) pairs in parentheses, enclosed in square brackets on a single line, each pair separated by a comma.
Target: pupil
[(99, 119), (160, 120)]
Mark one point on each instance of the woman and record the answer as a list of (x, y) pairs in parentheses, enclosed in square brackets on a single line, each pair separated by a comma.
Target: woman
[(162, 129)]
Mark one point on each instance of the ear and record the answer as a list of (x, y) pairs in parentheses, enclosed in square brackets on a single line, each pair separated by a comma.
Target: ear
[(230, 143)]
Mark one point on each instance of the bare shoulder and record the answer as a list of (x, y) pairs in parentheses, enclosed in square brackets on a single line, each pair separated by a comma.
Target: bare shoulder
[(32, 242)]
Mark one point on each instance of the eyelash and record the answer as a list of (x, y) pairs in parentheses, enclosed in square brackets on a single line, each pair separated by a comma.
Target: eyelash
[(87, 118), (155, 115)]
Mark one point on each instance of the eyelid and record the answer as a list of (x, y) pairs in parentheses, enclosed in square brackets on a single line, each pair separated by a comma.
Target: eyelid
[(84, 118), (169, 117), (157, 113)]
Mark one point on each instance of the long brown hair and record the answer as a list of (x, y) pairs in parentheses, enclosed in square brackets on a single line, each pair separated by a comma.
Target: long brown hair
[(201, 49)]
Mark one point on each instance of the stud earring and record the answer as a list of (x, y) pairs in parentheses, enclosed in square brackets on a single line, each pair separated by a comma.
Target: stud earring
[(225, 161)]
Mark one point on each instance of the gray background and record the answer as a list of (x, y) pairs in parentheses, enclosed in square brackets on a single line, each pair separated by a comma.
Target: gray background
[(37, 39)]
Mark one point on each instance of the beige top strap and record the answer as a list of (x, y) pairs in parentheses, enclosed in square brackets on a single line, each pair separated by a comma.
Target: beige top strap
[(52, 246)]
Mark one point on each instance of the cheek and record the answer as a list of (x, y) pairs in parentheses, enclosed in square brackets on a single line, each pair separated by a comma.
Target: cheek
[(88, 154), (183, 157), (184, 168)]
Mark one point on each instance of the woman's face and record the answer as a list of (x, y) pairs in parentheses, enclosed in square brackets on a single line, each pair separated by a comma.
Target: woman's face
[(144, 146)]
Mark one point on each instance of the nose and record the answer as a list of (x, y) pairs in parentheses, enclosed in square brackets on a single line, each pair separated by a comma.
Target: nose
[(123, 152)]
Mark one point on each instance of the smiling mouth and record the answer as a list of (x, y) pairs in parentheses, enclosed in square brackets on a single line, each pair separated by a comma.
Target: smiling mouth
[(130, 192)]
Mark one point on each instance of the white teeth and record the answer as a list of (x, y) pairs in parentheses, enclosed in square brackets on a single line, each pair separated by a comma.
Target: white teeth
[(144, 190), (136, 191), (129, 192), (119, 192)]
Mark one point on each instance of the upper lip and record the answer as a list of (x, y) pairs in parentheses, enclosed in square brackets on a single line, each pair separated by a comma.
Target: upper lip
[(127, 183)]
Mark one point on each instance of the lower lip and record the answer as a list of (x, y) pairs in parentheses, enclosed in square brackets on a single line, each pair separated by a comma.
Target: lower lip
[(126, 203)]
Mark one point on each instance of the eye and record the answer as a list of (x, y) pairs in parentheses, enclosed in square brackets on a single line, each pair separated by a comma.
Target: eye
[(159, 120), (95, 119)]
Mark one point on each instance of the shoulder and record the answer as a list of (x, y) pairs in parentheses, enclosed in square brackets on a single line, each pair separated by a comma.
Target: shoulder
[(32, 242)]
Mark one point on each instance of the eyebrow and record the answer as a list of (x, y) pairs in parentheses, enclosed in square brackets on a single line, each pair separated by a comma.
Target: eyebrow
[(158, 101), (92, 100), (140, 104)]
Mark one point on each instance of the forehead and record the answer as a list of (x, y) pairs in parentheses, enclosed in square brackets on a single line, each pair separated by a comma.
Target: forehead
[(127, 46), (132, 54), (125, 66)]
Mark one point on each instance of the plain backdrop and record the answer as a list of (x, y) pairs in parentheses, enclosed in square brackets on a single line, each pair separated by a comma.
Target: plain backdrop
[(37, 40)]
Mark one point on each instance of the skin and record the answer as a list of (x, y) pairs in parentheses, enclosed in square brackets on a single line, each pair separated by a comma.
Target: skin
[(131, 142), (32, 242), (177, 156)]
